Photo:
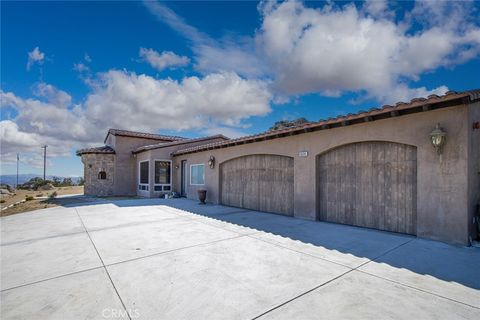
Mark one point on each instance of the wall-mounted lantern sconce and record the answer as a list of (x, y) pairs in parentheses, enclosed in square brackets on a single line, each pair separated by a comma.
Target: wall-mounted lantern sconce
[(438, 138), (211, 162), (177, 166)]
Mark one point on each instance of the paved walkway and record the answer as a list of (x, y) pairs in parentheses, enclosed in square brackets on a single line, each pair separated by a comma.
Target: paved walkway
[(175, 259)]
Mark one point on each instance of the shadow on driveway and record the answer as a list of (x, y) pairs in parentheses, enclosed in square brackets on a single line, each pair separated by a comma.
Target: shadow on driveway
[(398, 257)]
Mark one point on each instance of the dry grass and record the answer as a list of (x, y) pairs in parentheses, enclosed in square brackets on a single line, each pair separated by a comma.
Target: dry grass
[(27, 206), (38, 204), (68, 190)]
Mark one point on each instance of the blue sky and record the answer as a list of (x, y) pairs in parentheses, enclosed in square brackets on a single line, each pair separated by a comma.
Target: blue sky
[(71, 70)]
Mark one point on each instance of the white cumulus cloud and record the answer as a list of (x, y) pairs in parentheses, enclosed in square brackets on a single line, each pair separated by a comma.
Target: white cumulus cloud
[(164, 60), (122, 99), (228, 54), (35, 56), (336, 49), (370, 49), (192, 103), (296, 50)]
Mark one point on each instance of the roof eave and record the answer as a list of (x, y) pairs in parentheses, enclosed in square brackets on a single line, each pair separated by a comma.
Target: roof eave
[(134, 134), (79, 153), (164, 145), (106, 137), (400, 109), (95, 150)]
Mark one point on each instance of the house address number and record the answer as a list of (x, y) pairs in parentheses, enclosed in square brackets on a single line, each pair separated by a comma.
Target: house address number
[(303, 154)]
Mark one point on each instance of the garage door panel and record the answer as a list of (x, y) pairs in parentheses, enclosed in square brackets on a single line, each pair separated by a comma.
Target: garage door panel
[(260, 182), (377, 220), (378, 152), (410, 195), (369, 184), (233, 186)]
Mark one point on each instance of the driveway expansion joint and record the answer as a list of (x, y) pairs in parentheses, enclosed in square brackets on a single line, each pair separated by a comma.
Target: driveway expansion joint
[(297, 251), (52, 278), (302, 294), (173, 250), (385, 253), (104, 267), (340, 258), (418, 289), (329, 281), (40, 239)]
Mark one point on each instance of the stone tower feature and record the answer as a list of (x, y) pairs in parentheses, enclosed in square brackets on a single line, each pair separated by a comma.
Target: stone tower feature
[(99, 173)]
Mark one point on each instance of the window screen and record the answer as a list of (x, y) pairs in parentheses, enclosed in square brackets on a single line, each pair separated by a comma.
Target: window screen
[(197, 174), (162, 172), (144, 172)]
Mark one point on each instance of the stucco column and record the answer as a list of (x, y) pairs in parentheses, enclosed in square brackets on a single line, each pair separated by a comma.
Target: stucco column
[(304, 186)]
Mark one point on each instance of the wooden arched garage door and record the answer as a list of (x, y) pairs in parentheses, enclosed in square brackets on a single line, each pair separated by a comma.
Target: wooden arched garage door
[(369, 184), (258, 182)]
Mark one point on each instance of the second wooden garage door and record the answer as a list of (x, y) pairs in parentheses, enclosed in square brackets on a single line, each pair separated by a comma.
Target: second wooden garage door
[(369, 184), (258, 182)]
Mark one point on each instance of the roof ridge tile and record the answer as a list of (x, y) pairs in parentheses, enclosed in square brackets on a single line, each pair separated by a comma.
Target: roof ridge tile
[(399, 106)]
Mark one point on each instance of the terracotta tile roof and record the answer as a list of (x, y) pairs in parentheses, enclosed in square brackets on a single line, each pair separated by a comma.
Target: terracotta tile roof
[(102, 149), (144, 135), (174, 143), (432, 102)]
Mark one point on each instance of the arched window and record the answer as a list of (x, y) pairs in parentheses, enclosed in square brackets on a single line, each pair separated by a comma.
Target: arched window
[(102, 175)]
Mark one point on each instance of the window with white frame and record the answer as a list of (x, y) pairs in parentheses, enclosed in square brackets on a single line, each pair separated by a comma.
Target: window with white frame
[(197, 174), (143, 175), (163, 175)]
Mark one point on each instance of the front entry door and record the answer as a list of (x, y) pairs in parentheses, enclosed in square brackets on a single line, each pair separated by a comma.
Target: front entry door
[(183, 190)]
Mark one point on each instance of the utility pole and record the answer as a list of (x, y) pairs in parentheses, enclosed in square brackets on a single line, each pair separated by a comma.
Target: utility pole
[(18, 160), (44, 161)]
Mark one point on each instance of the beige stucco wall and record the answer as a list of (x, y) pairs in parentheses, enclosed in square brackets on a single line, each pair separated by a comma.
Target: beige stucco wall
[(110, 141), (162, 154), (442, 187), (125, 164), (474, 165)]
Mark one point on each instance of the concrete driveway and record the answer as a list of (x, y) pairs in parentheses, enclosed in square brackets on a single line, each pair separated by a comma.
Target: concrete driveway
[(175, 259)]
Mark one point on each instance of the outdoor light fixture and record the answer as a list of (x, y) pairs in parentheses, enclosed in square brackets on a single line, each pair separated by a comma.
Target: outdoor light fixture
[(211, 162), (177, 166), (438, 138)]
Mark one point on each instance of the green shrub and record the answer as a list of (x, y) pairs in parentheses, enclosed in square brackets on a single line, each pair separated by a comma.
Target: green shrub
[(34, 184), (2, 201), (29, 198), (40, 195), (53, 195)]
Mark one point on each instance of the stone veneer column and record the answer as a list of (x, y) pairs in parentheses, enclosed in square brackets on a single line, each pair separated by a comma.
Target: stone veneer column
[(93, 164)]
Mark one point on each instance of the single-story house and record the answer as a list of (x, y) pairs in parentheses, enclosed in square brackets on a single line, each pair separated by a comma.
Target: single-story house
[(412, 168)]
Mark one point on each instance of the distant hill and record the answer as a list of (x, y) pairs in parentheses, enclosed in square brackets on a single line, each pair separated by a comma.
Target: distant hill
[(11, 179)]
